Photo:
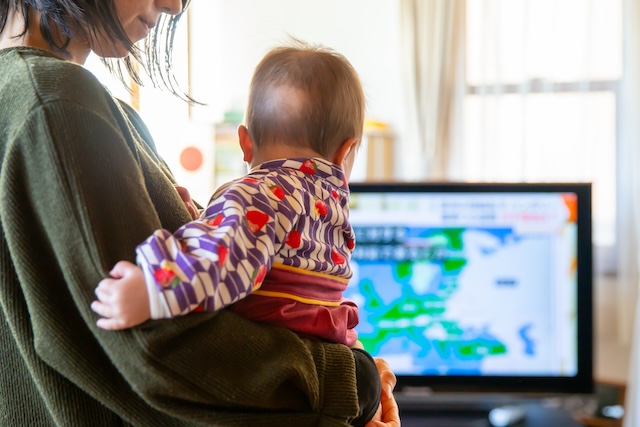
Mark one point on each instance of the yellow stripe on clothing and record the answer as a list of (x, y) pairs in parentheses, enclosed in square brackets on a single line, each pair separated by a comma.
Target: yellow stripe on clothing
[(304, 300), (310, 273)]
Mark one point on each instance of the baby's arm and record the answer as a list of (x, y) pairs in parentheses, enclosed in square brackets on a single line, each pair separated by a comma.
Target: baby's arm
[(206, 265), (123, 300)]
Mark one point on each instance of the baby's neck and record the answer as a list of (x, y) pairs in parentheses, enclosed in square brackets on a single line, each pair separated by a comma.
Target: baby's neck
[(281, 151)]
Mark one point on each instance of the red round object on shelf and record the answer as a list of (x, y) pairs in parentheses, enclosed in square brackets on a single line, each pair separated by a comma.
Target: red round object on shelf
[(191, 158)]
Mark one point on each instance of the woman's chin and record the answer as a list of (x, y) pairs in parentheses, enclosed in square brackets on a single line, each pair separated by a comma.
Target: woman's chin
[(110, 50), (111, 53)]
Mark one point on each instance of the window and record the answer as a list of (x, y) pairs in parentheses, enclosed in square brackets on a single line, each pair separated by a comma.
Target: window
[(541, 95)]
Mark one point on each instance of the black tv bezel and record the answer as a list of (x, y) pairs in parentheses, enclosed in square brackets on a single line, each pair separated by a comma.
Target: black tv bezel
[(583, 381)]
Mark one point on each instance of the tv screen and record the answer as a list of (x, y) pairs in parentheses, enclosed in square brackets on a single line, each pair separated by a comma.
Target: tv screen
[(475, 286)]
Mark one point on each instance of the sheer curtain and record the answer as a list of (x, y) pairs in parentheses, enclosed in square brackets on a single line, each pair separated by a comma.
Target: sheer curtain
[(431, 40), (629, 204), (515, 90), (541, 100)]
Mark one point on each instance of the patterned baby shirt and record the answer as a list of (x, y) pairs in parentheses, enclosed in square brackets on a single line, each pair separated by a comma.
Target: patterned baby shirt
[(274, 245)]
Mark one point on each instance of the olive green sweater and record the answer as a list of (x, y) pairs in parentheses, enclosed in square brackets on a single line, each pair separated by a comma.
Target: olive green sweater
[(80, 187)]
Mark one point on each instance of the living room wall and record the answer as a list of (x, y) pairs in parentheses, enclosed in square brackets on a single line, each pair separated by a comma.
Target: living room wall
[(229, 38)]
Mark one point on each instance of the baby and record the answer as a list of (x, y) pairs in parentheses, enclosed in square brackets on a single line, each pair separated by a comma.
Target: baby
[(274, 245)]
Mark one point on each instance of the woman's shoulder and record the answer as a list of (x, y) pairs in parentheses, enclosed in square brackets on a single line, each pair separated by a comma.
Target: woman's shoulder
[(50, 79), (36, 86)]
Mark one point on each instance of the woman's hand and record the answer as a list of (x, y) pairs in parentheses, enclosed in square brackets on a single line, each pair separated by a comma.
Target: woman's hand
[(388, 414), (357, 344)]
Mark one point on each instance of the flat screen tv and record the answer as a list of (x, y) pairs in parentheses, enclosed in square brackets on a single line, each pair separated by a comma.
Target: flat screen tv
[(476, 287)]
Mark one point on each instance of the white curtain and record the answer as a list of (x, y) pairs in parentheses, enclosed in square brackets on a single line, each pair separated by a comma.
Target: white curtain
[(629, 206), (536, 82), (431, 42)]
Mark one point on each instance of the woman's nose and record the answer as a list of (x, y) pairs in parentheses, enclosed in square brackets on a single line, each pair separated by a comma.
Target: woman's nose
[(170, 7)]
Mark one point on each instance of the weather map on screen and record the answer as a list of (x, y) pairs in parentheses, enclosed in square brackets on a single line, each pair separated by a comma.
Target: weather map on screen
[(467, 284)]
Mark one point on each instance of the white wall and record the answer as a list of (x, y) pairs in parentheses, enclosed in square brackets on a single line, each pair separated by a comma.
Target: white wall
[(228, 38)]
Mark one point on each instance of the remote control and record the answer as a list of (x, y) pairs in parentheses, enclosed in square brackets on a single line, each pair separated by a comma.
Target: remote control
[(504, 416)]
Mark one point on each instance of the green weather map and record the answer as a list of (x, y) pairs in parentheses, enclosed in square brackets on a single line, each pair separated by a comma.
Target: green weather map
[(473, 300)]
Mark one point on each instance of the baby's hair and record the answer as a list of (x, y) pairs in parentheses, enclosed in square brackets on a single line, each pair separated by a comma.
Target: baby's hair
[(71, 18), (305, 95)]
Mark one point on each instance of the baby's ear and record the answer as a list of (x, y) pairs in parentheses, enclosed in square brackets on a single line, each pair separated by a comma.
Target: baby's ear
[(246, 145), (343, 151)]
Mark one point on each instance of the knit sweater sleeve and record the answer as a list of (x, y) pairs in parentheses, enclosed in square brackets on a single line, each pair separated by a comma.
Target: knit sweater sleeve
[(87, 190)]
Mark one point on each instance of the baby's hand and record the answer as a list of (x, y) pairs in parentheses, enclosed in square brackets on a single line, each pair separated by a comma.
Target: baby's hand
[(189, 204), (123, 300)]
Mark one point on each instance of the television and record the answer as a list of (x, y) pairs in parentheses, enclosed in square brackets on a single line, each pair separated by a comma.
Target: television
[(476, 287)]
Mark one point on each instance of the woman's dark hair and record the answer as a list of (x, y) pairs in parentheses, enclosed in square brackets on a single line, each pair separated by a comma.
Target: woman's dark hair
[(72, 18)]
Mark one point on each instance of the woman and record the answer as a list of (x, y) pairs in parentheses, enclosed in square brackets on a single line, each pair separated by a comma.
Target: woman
[(80, 186)]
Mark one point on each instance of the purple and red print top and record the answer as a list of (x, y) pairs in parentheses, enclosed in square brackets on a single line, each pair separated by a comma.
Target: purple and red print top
[(275, 243)]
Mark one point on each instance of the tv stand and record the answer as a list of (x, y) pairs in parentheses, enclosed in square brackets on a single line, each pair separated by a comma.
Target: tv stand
[(461, 410), (417, 399), (504, 416)]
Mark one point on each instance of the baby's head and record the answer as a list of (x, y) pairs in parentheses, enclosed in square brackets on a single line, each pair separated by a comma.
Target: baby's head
[(304, 101)]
